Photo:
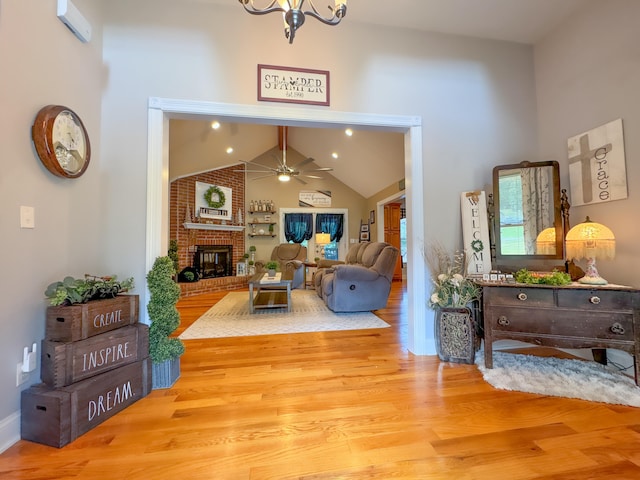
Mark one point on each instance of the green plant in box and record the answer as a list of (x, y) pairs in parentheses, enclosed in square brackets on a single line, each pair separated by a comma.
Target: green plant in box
[(163, 313), (71, 290)]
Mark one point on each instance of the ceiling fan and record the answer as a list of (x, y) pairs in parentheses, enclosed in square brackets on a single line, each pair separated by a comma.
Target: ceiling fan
[(284, 172)]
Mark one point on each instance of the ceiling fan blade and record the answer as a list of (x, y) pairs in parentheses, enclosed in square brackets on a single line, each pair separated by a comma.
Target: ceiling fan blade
[(314, 176), (303, 162), (258, 165), (300, 180), (264, 176)]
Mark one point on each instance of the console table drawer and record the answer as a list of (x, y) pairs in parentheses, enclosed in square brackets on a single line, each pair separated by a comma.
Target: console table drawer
[(521, 297), (562, 323), (596, 299)]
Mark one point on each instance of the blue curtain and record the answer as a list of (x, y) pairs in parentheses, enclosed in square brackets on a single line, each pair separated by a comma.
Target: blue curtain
[(298, 227), (331, 223)]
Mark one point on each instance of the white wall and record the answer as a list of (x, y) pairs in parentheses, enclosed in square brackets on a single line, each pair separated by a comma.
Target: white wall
[(476, 99), (41, 63), (587, 74)]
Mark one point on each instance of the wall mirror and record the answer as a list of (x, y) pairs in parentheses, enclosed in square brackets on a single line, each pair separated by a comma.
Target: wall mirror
[(527, 224)]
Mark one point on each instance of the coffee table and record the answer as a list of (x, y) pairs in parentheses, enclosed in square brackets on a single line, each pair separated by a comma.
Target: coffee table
[(272, 293)]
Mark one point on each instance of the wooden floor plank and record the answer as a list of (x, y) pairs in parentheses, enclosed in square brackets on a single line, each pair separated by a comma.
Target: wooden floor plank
[(338, 405)]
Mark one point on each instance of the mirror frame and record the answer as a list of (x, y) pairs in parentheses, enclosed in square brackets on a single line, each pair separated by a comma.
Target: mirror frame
[(511, 263)]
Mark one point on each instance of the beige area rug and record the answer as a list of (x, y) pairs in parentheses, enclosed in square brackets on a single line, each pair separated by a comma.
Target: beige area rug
[(230, 317)]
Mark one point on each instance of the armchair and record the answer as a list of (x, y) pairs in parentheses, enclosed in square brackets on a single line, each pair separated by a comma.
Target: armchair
[(289, 256), (363, 282)]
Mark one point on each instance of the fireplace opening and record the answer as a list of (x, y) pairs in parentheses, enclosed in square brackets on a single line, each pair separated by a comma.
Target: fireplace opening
[(212, 261)]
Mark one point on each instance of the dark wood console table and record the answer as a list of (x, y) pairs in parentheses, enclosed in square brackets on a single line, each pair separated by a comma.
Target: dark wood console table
[(571, 316)]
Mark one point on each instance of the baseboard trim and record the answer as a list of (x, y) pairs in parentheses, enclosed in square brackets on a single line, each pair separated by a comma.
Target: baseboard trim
[(9, 431)]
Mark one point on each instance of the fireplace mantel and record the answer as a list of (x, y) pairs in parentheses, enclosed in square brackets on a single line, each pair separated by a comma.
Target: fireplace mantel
[(212, 226)]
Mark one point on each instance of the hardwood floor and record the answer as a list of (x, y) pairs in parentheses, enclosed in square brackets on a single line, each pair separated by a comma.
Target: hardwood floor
[(339, 405)]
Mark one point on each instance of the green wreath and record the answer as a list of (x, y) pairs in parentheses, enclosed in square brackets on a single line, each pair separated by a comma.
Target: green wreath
[(221, 198), (477, 246)]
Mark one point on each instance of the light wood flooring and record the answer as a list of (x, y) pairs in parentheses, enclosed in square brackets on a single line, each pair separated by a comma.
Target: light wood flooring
[(339, 405)]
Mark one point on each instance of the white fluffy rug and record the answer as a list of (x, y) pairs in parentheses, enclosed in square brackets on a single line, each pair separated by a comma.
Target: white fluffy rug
[(559, 377), (230, 317)]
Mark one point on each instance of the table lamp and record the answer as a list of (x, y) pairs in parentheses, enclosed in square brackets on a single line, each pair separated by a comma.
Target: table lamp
[(321, 240), (591, 240)]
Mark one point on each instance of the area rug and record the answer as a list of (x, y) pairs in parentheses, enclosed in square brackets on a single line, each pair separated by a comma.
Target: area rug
[(559, 378), (230, 317)]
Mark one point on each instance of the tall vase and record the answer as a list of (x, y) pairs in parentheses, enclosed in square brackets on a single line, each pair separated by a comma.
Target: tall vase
[(456, 336)]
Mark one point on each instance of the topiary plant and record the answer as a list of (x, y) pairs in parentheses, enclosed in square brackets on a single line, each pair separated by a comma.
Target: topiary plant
[(173, 254), (163, 313)]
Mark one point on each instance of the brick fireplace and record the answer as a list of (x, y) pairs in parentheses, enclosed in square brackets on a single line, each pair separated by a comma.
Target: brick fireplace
[(182, 202)]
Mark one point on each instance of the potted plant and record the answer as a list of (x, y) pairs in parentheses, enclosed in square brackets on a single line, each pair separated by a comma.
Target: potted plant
[(252, 268), (164, 350), (454, 298), (271, 267), (252, 251)]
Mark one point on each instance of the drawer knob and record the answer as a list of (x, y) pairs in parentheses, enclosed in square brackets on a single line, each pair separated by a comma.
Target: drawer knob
[(522, 296), (595, 300), (504, 321), (617, 329)]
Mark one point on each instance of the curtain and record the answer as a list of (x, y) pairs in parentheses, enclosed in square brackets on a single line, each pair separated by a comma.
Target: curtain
[(298, 227), (331, 223), (537, 203)]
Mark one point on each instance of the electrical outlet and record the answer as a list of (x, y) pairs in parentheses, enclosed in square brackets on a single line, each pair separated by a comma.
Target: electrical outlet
[(21, 376)]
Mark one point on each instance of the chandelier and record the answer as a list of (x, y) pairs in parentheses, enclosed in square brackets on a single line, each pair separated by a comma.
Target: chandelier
[(293, 13)]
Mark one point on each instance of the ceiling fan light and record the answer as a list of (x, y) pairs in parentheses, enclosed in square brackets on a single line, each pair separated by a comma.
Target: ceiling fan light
[(284, 177)]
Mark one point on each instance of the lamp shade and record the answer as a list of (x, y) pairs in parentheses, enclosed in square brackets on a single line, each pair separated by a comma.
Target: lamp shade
[(590, 240), (323, 238), (546, 242)]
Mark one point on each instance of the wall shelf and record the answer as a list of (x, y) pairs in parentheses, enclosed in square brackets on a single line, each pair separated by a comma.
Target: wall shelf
[(211, 226)]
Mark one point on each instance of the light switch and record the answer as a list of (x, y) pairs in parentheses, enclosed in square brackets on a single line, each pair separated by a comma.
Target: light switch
[(27, 217)]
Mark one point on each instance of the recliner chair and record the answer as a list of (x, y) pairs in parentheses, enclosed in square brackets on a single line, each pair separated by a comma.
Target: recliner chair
[(363, 283), (289, 256)]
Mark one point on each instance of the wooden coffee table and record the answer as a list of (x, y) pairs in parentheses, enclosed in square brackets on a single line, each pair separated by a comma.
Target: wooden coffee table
[(270, 294)]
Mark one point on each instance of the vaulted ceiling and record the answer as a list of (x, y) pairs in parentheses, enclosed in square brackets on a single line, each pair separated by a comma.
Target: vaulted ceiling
[(368, 161)]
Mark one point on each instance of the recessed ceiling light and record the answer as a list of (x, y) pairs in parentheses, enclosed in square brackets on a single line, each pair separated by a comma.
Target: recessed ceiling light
[(215, 125), (229, 150), (335, 155), (348, 132)]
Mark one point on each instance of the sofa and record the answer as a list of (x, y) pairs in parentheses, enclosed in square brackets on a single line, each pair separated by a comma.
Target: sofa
[(290, 256), (362, 282)]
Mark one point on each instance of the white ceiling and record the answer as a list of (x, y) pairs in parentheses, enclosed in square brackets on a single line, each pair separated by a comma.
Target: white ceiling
[(523, 21)]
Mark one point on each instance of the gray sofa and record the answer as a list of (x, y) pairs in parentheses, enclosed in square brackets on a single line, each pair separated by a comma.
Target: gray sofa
[(362, 282)]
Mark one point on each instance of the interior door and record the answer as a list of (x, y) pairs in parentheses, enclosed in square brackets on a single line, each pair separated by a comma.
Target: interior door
[(392, 233)]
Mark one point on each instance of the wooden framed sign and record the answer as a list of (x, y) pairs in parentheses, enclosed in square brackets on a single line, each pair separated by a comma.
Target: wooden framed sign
[(293, 85)]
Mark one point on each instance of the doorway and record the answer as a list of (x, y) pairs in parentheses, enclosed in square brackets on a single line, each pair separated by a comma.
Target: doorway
[(161, 110)]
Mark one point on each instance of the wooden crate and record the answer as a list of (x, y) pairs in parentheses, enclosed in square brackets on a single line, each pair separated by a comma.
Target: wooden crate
[(56, 417), (64, 363), (71, 323)]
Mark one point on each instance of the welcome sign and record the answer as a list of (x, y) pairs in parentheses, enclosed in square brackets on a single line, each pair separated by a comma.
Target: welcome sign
[(293, 85)]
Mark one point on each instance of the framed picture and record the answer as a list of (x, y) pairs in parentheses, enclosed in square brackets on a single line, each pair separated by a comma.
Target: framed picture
[(241, 269), (372, 217), (364, 236), (364, 228), (293, 85)]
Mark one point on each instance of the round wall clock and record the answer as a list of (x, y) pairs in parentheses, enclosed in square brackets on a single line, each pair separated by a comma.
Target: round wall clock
[(61, 141)]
